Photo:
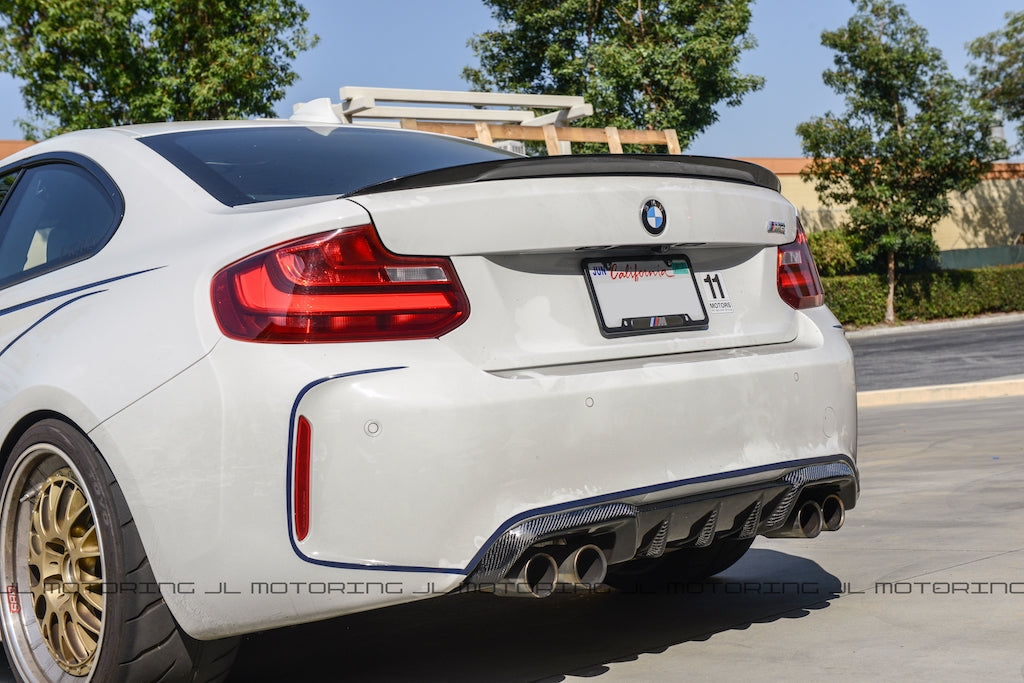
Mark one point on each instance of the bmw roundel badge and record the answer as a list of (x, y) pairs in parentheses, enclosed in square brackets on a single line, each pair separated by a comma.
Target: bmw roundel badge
[(653, 216)]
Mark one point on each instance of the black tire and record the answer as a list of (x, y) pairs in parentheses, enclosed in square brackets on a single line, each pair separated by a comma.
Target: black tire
[(687, 565), (81, 601)]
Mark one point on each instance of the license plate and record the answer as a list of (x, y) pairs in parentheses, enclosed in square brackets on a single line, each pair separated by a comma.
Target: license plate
[(644, 295)]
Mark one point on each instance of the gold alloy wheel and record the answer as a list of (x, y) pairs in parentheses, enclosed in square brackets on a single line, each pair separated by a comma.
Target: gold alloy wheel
[(65, 572)]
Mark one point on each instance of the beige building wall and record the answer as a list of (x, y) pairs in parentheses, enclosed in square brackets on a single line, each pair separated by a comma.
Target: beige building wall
[(990, 215)]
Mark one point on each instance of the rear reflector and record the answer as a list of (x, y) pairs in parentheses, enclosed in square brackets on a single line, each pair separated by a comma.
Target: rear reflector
[(303, 445), (336, 287), (799, 285)]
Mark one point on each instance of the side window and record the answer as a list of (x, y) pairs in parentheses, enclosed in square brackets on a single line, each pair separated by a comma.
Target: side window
[(55, 214)]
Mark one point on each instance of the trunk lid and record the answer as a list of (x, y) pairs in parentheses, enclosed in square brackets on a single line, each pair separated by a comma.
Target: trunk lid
[(522, 247)]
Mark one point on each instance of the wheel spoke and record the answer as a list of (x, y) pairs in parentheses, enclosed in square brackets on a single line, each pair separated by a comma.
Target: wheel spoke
[(93, 599), (76, 640), (45, 565), (86, 619)]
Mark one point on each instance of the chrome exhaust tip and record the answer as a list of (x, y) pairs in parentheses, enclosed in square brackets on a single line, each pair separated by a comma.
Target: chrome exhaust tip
[(833, 512), (584, 567), (806, 522), (534, 578)]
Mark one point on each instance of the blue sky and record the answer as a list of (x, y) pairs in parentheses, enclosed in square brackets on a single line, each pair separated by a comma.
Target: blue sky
[(419, 44)]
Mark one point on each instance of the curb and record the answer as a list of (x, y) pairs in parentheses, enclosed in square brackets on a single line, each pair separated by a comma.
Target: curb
[(941, 392), (969, 391), (927, 326)]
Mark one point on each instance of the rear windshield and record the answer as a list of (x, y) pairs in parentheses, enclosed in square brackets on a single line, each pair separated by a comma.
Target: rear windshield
[(249, 165)]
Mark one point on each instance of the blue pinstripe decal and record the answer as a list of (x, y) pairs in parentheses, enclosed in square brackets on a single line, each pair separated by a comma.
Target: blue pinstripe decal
[(36, 323), (75, 290)]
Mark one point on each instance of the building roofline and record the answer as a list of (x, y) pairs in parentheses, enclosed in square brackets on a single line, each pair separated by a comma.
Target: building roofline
[(780, 165), (791, 166), (9, 147)]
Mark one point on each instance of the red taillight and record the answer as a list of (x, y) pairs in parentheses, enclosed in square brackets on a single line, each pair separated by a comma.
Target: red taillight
[(799, 285), (303, 448), (335, 287)]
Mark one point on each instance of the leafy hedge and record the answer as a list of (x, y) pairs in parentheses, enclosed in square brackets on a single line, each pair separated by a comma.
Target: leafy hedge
[(859, 300)]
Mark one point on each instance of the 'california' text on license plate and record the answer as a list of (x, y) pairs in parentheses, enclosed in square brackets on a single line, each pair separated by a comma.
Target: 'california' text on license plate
[(645, 295)]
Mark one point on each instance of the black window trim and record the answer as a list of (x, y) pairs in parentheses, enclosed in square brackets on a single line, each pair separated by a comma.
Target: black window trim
[(93, 169), (18, 173)]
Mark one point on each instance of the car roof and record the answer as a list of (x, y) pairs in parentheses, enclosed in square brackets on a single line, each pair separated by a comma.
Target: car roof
[(147, 129), (75, 141)]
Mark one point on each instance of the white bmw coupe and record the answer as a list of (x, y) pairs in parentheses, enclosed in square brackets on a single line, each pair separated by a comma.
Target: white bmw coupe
[(261, 373)]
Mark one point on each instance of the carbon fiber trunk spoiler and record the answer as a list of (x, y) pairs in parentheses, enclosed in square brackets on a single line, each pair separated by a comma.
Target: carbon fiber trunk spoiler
[(713, 168)]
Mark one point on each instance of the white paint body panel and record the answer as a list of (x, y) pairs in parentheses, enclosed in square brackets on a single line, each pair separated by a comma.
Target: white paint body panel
[(422, 450)]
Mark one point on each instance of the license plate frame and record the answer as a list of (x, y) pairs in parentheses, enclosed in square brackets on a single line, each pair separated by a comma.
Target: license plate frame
[(634, 295)]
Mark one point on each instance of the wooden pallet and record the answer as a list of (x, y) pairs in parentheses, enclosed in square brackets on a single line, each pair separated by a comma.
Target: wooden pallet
[(550, 134)]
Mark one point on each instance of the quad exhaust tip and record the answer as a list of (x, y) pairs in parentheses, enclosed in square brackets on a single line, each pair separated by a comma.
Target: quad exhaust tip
[(533, 578), (585, 567), (806, 521), (811, 518), (833, 512), (541, 574)]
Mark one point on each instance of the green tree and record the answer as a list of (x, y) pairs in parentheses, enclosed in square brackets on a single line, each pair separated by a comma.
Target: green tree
[(90, 64), (909, 136), (1000, 73), (641, 63)]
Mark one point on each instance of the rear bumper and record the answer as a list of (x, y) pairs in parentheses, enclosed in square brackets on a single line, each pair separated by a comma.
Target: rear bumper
[(433, 460)]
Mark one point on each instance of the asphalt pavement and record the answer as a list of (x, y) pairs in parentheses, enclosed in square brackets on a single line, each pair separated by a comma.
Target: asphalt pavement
[(968, 359)]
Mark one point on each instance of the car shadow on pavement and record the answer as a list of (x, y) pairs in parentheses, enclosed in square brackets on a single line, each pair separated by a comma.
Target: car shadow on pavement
[(475, 637)]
